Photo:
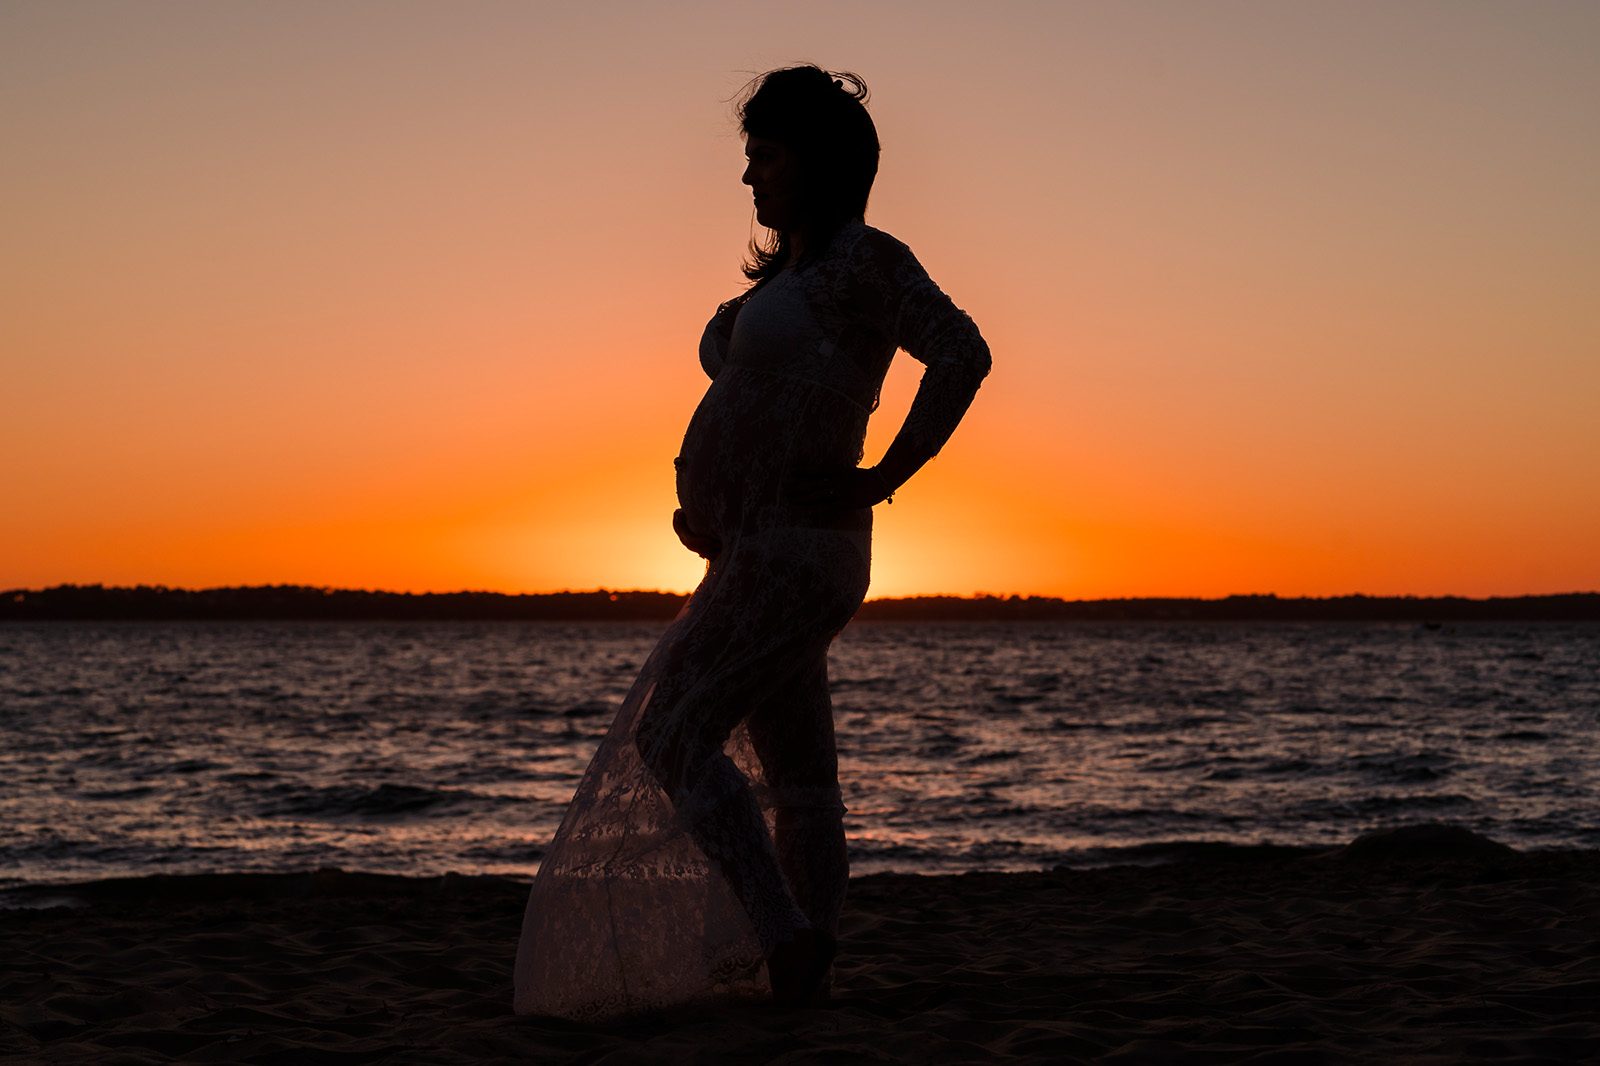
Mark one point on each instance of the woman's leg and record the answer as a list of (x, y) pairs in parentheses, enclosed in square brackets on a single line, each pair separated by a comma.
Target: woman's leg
[(792, 734), (747, 638)]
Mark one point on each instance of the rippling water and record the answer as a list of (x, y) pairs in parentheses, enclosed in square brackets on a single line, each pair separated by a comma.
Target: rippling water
[(138, 748)]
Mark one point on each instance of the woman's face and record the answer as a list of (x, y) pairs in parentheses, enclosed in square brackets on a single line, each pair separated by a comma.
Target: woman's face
[(773, 177)]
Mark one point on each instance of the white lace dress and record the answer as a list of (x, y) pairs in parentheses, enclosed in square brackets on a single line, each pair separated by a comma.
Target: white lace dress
[(708, 826)]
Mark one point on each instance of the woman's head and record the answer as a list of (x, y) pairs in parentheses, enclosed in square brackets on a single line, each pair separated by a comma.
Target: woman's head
[(814, 154)]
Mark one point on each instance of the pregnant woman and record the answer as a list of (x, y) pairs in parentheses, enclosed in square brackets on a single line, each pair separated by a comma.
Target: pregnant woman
[(703, 855)]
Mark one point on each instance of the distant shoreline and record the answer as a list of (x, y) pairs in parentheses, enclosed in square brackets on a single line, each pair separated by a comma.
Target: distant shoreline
[(308, 603)]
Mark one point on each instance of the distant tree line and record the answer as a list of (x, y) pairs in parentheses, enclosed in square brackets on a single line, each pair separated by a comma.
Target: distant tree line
[(1567, 607), (301, 602)]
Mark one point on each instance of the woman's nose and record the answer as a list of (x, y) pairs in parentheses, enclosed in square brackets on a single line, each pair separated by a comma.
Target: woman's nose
[(745, 178)]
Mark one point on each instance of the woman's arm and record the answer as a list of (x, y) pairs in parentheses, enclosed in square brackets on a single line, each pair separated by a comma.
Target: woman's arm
[(941, 401), (885, 285)]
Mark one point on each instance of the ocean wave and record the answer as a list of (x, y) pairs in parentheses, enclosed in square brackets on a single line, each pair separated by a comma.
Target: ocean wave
[(387, 800), (1415, 768)]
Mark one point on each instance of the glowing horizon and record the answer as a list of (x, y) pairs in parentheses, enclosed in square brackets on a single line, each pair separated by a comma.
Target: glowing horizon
[(404, 297), (973, 594)]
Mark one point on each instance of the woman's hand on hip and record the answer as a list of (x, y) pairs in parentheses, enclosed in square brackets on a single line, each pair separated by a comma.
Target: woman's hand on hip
[(847, 490), (703, 545)]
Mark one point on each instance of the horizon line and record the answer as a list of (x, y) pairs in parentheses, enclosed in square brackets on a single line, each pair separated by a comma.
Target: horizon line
[(977, 595)]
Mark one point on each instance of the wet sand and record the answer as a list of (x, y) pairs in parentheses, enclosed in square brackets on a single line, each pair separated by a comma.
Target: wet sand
[(1426, 947)]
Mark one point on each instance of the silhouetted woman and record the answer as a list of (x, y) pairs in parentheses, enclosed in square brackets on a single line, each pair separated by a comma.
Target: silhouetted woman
[(703, 855)]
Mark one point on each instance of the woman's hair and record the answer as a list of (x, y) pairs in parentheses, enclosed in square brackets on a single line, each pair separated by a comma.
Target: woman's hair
[(819, 116)]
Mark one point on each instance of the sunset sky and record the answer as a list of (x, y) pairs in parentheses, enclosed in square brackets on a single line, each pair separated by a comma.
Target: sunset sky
[(1282, 297)]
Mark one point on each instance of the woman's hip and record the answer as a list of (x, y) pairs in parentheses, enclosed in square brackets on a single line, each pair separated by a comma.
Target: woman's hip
[(816, 567)]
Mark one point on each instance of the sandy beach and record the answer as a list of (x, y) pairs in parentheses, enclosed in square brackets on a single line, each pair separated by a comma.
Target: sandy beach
[(1410, 947)]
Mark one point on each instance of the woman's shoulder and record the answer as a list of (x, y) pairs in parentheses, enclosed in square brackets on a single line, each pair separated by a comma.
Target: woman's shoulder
[(858, 236), (865, 254)]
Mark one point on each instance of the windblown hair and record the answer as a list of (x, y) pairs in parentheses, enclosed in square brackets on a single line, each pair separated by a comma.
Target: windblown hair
[(819, 115)]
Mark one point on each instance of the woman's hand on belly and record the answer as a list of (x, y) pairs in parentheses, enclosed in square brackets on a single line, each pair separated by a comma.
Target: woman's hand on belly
[(703, 545)]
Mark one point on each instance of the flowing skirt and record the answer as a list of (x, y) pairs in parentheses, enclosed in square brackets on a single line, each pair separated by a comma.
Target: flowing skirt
[(663, 886)]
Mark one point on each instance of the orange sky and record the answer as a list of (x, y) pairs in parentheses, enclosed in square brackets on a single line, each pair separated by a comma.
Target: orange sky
[(1294, 299)]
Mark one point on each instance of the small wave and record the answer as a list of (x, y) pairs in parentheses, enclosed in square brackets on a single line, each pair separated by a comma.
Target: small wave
[(1007, 695), (981, 757), (1405, 769), (842, 684), (985, 851), (1067, 725), (1179, 764), (1227, 768), (881, 850), (1165, 852), (1296, 768), (248, 775), (107, 733), (190, 766), (361, 801), (1383, 805), (136, 792), (940, 742), (1305, 709), (969, 813)]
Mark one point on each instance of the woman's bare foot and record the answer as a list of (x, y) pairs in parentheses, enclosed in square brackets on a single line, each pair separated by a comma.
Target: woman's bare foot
[(798, 968)]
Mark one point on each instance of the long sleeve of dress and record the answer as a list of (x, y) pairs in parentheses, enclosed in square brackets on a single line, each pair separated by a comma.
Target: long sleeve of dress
[(888, 288)]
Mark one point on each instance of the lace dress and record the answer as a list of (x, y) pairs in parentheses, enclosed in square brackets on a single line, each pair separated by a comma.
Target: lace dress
[(708, 826)]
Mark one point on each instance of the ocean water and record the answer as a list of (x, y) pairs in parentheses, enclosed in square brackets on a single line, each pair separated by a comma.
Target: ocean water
[(137, 748)]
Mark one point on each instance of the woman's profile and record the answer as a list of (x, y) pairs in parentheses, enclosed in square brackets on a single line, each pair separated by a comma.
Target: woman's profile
[(703, 854)]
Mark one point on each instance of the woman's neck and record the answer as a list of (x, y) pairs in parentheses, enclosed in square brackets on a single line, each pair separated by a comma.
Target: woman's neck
[(796, 239)]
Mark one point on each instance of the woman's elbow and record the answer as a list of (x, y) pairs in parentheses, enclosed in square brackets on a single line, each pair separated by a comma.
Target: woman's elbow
[(982, 363), (970, 359)]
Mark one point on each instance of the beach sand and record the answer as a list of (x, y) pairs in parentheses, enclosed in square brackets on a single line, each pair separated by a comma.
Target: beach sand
[(1432, 947)]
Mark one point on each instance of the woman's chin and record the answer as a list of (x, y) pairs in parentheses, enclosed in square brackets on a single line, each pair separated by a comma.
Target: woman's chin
[(770, 218)]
